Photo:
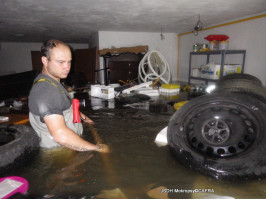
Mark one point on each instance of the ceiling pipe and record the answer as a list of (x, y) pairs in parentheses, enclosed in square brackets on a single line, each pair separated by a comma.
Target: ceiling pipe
[(217, 26)]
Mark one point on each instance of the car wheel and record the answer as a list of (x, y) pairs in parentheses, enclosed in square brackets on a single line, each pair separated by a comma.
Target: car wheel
[(220, 135)]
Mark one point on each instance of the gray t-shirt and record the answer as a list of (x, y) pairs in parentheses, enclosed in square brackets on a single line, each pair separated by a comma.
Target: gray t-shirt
[(46, 98)]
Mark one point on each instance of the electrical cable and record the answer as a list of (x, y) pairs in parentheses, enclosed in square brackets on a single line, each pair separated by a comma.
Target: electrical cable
[(153, 66)]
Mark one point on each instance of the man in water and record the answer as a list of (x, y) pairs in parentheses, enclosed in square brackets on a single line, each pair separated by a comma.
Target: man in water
[(51, 112)]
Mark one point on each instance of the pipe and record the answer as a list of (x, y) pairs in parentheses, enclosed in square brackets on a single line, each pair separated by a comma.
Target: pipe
[(220, 25)]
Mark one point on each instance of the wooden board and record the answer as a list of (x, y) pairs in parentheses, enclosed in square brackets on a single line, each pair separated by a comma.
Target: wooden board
[(137, 49), (16, 119)]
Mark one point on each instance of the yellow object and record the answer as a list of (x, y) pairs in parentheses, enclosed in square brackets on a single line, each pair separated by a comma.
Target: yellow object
[(206, 49), (157, 80), (238, 70), (187, 88), (170, 97), (25, 121), (226, 24), (170, 86), (179, 104)]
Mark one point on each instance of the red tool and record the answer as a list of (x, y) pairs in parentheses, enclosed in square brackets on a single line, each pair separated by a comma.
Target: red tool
[(76, 103)]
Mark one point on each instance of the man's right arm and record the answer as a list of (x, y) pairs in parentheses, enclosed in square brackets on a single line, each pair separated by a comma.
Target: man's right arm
[(66, 137)]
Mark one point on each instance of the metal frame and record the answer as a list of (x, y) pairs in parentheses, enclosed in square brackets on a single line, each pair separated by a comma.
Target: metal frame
[(219, 52)]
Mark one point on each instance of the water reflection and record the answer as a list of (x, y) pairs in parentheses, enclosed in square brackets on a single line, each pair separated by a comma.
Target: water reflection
[(70, 174), (97, 103), (135, 168)]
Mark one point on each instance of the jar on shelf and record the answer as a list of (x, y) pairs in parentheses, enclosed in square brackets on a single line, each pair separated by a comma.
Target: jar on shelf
[(223, 45), (213, 45), (195, 48)]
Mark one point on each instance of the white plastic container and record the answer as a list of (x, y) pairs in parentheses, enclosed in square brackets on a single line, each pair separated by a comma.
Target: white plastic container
[(195, 72), (148, 91), (102, 91), (114, 85), (169, 89)]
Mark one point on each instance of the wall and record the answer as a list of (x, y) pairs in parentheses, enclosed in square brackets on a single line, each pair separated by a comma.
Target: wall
[(248, 35), (167, 47), (94, 40), (16, 57)]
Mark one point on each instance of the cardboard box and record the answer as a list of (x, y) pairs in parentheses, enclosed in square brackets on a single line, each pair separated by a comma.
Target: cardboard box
[(102, 91), (212, 71)]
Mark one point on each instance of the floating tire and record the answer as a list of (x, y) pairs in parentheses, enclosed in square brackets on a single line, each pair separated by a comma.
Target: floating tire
[(243, 86), (237, 76), (223, 136), (242, 83), (18, 143)]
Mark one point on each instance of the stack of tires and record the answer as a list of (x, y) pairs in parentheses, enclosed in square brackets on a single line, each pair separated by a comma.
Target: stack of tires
[(223, 134)]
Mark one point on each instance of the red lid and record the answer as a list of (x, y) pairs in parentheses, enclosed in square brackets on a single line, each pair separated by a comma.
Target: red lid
[(216, 37)]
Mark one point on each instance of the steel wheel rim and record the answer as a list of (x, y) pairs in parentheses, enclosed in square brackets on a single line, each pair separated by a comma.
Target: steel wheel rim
[(215, 133)]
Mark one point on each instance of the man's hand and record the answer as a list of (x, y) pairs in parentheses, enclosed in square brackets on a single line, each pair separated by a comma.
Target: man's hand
[(65, 136), (86, 119), (103, 148)]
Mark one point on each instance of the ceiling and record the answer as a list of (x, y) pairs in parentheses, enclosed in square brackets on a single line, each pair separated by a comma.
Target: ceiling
[(75, 20)]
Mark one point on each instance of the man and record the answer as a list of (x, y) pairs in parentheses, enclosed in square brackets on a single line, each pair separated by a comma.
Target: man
[(51, 113)]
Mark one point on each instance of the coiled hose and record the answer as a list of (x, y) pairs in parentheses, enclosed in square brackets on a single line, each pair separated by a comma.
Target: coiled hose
[(153, 66)]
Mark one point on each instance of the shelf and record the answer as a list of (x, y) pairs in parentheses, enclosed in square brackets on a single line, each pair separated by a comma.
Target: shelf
[(203, 79), (221, 53), (218, 52)]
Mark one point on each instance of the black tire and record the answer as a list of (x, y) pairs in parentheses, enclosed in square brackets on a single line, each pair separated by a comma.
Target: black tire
[(221, 135), (18, 144), (244, 86), (240, 76)]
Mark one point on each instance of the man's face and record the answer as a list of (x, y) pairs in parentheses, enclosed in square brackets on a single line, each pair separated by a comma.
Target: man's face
[(58, 66)]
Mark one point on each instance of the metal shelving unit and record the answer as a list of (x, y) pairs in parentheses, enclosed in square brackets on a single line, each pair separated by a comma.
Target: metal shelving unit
[(222, 53)]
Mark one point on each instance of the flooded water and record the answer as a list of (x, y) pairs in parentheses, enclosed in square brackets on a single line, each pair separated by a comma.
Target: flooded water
[(135, 168)]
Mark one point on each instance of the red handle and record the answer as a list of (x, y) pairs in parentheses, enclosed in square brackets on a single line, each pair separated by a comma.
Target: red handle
[(76, 118)]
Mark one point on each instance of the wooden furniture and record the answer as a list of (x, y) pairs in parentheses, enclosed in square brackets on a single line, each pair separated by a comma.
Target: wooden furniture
[(122, 67), (86, 61), (16, 119)]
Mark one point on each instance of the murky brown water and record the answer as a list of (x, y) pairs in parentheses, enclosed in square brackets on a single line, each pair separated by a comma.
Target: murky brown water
[(136, 167)]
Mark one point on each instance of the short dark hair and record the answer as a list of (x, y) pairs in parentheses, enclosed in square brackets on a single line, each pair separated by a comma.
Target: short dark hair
[(49, 45)]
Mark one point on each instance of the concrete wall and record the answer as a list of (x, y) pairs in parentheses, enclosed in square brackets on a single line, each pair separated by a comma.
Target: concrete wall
[(249, 35), (16, 57), (167, 47)]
